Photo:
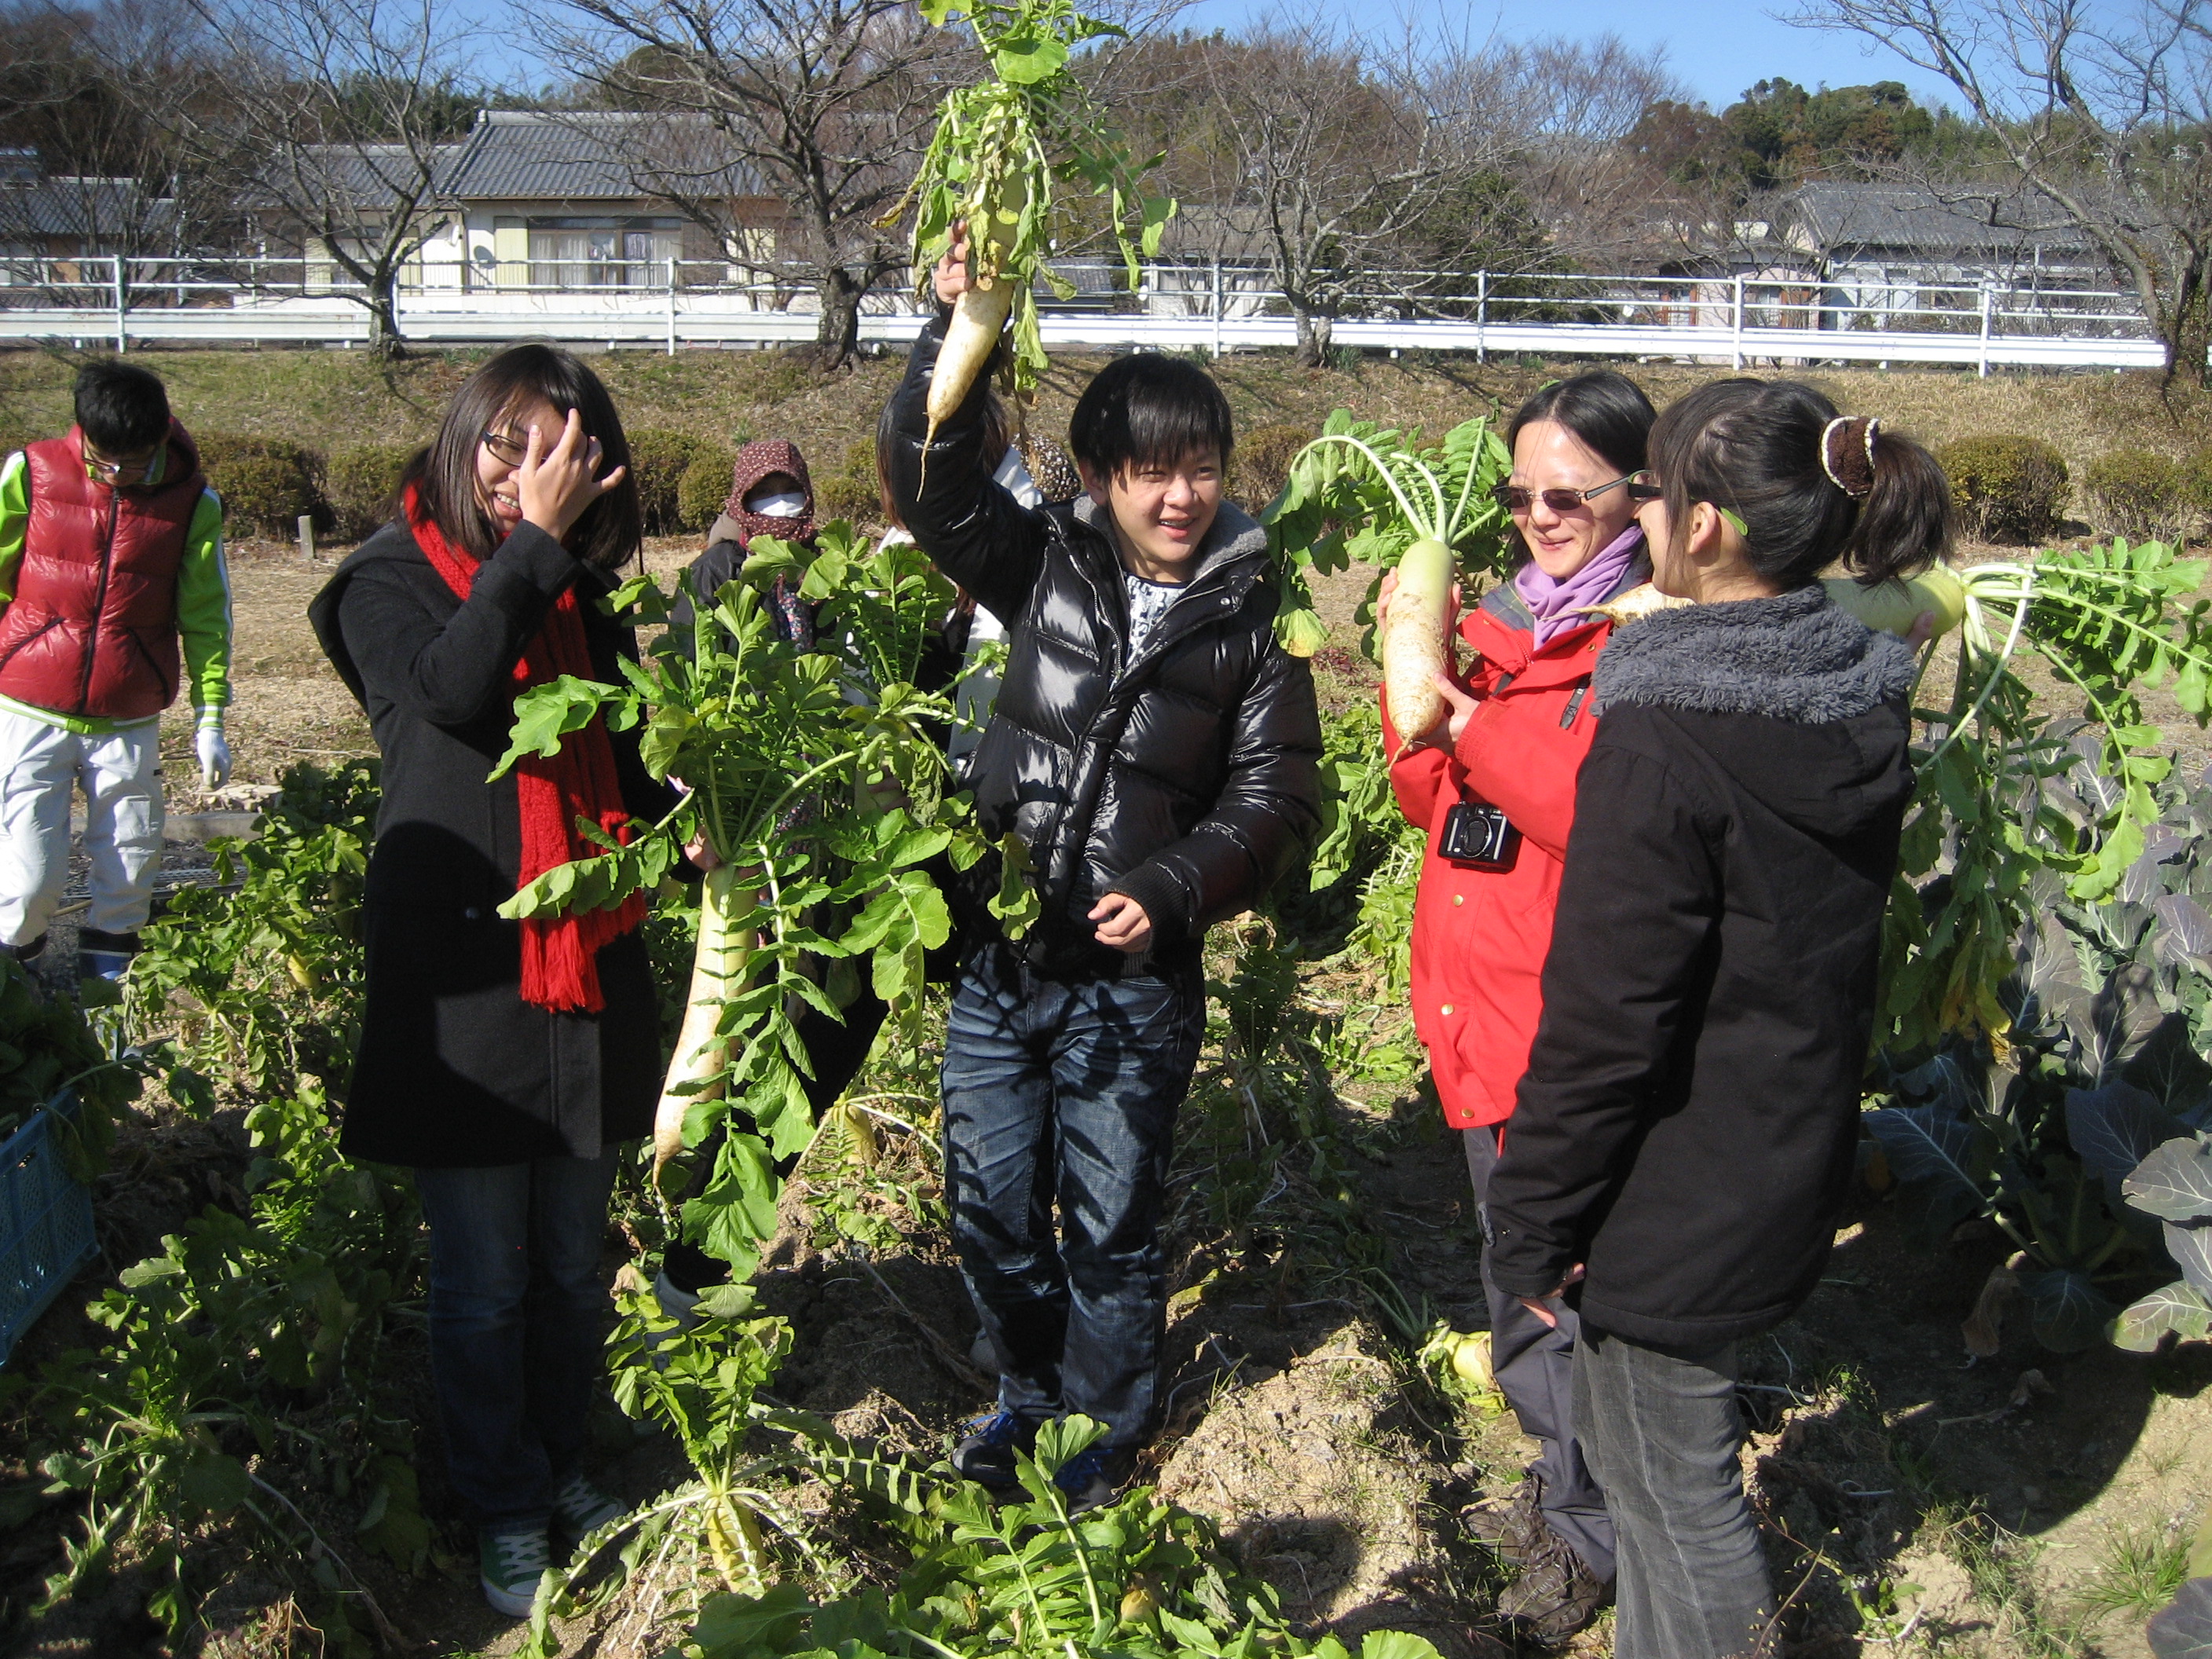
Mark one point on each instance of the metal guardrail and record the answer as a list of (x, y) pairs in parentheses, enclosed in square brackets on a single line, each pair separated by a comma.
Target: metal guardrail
[(1214, 307)]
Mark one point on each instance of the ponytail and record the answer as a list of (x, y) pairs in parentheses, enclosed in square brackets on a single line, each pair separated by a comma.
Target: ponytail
[(1905, 512), (1809, 488)]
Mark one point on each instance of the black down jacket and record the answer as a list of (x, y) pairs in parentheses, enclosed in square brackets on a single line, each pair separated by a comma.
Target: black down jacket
[(1686, 1123), (454, 1068), (1188, 776)]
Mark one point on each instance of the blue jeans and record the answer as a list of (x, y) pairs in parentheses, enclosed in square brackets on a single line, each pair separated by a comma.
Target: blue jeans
[(1533, 1364), (1060, 1096), (518, 1325), (1662, 1430)]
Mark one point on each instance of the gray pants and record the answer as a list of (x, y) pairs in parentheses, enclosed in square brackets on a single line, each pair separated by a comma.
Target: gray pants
[(1662, 1430), (1535, 1365)]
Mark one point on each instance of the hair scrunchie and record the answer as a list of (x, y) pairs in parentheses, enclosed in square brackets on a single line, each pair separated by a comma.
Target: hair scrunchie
[(1850, 464)]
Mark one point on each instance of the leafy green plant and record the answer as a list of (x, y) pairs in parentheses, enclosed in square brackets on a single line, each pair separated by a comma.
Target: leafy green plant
[(261, 973), (2174, 1183), (1360, 492), (1001, 150), (790, 758), (211, 1340), (2008, 489)]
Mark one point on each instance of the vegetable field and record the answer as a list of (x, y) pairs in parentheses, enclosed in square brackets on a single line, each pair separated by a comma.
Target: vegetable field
[(1984, 1435)]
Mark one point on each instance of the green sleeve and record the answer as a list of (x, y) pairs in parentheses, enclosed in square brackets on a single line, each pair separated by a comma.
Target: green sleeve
[(14, 518), (203, 610)]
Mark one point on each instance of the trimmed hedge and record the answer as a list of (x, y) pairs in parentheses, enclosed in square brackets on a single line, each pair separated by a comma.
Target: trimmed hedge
[(658, 459), (2008, 489), (363, 483), (851, 492), (1261, 465), (704, 487), (267, 484), (2142, 495)]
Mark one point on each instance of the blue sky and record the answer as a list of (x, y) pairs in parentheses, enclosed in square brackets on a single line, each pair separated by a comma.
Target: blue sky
[(1718, 47)]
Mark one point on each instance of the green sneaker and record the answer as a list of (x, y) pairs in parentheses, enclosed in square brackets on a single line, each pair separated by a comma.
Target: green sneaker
[(581, 1509), (509, 1563)]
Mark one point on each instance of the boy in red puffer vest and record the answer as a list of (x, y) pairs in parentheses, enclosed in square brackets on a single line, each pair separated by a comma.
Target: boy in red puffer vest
[(111, 557)]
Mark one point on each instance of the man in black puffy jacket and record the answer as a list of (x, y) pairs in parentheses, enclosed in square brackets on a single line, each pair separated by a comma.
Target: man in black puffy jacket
[(1157, 753)]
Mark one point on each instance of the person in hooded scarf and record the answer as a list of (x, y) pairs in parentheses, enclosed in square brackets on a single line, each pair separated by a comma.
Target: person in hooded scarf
[(771, 494)]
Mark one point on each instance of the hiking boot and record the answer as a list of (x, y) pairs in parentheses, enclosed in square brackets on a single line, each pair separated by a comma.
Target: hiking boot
[(1555, 1596), (509, 1563), (986, 1454), (1094, 1477), (581, 1509), (1510, 1526)]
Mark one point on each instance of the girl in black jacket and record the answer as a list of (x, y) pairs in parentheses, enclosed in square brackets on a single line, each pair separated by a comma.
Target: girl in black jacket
[(502, 1062), (1683, 1135)]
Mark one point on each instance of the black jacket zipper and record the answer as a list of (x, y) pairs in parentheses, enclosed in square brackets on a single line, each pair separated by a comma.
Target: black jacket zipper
[(99, 603)]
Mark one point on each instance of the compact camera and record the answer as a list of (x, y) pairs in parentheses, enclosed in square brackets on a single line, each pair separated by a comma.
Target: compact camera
[(1477, 834)]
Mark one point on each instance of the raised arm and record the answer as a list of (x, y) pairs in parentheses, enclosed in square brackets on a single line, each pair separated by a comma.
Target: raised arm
[(1638, 904), (977, 532)]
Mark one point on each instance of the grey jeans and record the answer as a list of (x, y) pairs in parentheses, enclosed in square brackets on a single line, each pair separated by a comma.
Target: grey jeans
[(1662, 1430), (1535, 1365)]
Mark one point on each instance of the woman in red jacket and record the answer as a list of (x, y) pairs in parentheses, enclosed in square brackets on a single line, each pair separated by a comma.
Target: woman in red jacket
[(1500, 769)]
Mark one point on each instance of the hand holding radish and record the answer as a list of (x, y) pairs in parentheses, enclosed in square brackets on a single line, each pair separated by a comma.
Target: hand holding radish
[(1411, 636), (555, 484), (954, 277)]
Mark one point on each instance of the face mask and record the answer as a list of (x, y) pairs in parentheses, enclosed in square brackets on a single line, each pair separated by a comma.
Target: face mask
[(782, 504)]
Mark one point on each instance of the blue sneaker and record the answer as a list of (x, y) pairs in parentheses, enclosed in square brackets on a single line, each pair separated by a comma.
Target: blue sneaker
[(986, 1454), (1094, 1477)]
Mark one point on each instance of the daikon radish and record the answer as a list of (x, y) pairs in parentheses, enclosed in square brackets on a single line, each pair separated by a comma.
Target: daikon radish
[(718, 971), (1893, 606), (1414, 645)]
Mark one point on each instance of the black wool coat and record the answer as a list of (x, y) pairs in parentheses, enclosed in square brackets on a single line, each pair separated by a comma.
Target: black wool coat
[(1686, 1123), (1185, 773), (454, 1068)]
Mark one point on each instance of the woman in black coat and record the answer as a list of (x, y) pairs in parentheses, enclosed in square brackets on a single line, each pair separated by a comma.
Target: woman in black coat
[(503, 1061), (1683, 1136)]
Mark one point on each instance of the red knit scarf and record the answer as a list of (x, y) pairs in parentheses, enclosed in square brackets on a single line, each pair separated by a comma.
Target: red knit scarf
[(560, 967)]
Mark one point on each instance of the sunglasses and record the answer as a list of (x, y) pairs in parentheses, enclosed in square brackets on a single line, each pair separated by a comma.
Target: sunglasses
[(1518, 498)]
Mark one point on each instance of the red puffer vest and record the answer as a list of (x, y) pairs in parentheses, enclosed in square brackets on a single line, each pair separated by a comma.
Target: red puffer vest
[(93, 630)]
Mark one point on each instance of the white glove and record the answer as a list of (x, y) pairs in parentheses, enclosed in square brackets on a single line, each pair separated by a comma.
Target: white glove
[(215, 757)]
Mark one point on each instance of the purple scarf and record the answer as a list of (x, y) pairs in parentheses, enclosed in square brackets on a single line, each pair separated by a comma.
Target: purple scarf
[(1557, 606)]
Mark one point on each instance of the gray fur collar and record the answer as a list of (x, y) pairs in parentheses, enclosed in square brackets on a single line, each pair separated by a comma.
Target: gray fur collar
[(1795, 657)]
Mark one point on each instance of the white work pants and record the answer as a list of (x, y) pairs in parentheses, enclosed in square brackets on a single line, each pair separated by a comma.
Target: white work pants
[(120, 773)]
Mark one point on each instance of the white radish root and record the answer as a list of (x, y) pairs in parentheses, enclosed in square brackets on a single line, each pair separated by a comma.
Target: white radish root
[(717, 973), (1413, 644), (1894, 607)]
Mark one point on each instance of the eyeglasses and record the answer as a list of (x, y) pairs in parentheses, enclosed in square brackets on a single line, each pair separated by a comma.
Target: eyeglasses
[(512, 450), (1517, 498), (115, 469)]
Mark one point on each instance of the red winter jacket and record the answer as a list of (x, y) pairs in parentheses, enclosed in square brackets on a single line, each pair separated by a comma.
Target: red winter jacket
[(92, 628), (1479, 936)]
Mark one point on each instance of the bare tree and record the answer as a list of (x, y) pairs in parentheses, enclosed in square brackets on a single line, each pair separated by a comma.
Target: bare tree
[(1363, 168), (100, 178), (337, 120), (826, 104), (2101, 111)]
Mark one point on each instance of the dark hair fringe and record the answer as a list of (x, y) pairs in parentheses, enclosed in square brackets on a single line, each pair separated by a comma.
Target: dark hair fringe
[(1606, 411), (1148, 410), (1754, 447), (121, 407), (611, 530)]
